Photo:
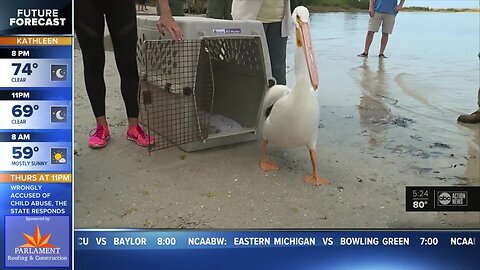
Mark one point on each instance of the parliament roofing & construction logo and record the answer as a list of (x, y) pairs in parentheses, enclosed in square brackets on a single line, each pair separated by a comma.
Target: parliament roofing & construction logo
[(26, 246)]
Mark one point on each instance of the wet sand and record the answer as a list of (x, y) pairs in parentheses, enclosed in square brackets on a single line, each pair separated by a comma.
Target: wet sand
[(371, 144)]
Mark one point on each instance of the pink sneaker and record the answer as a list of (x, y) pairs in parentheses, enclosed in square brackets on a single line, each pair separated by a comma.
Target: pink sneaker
[(136, 134), (100, 138)]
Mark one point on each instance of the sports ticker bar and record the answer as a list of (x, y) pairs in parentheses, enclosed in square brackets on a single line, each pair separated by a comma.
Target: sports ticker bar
[(36, 134), (213, 249)]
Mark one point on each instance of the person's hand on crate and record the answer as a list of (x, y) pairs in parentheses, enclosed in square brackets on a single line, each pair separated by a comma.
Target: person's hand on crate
[(167, 22)]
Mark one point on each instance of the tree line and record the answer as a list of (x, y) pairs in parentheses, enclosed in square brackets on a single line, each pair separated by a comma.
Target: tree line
[(361, 4), (198, 6)]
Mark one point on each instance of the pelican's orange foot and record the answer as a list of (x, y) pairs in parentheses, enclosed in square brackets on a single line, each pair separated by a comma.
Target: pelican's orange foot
[(316, 180), (267, 165)]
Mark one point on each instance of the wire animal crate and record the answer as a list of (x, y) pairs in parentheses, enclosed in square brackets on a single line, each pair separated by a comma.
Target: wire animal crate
[(202, 92)]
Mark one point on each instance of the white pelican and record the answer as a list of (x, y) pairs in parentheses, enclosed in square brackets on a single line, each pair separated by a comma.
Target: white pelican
[(293, 115)]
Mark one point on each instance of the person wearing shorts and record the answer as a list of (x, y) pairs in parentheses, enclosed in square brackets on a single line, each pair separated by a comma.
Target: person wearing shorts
[(382, 13)]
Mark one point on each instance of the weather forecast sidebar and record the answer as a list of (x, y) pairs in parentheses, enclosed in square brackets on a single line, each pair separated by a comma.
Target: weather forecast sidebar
[(36, 153)]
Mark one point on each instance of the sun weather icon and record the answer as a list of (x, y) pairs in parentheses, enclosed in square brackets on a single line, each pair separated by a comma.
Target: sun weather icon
[(58, 73), (58, 114), (59, 155)]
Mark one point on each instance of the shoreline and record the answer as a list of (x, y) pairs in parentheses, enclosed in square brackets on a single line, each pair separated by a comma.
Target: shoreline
[(324, 9)]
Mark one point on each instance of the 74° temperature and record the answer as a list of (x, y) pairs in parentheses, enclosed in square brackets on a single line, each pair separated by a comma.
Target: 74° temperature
[(27, 68)]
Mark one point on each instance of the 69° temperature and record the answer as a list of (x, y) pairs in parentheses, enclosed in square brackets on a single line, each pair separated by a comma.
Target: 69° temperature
[(25, 110), (23, 152)]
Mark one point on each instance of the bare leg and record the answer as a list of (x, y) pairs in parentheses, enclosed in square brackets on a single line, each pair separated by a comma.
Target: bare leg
[(314, 179), (132, 121), (368, 41), (265, 164), (383, 43), (101, 120)]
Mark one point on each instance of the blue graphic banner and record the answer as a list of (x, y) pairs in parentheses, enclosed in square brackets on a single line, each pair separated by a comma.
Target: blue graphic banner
[(36, 52), (36, 119), (36, 220), (36, 93), (22, 17), (150, 249), (26, 255)]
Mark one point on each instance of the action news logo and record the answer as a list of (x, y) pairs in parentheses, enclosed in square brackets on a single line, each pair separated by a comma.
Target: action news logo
[(452, 198), (26, 246)]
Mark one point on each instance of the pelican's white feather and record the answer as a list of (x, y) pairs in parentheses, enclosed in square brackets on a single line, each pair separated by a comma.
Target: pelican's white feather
[(275, 93)]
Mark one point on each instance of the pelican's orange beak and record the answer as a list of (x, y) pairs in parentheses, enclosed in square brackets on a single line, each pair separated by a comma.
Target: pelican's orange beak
[(304, 40)]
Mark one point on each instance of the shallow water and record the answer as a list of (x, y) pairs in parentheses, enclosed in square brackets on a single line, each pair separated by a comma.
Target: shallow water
[(409, 101)]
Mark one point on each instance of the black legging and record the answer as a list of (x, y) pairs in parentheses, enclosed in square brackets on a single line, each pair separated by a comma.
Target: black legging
[(277, 48), (122, 24)]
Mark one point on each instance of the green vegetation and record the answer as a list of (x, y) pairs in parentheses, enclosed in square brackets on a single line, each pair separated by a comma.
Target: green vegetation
[(417, 8), (440, 9)]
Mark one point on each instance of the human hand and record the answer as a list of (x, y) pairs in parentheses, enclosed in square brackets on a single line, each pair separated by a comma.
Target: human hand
[(371, 12), (166, 22), (398, 8)]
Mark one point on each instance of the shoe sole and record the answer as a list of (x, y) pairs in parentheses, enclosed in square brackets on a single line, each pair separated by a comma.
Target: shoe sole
[(97, 146), (135, 140)]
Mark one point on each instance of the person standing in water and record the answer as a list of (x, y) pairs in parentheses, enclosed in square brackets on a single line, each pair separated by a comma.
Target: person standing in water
[(382, 12), (120, 15)]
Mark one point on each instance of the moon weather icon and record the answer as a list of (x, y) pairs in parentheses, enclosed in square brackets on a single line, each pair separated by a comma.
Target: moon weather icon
[(58, 73), (58, 114)]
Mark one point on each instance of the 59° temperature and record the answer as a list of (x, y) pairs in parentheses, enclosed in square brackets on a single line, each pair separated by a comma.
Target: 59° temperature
[(23, 152)]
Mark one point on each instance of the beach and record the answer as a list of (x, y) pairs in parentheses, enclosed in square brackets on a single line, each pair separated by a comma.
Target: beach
[(385, 124)]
